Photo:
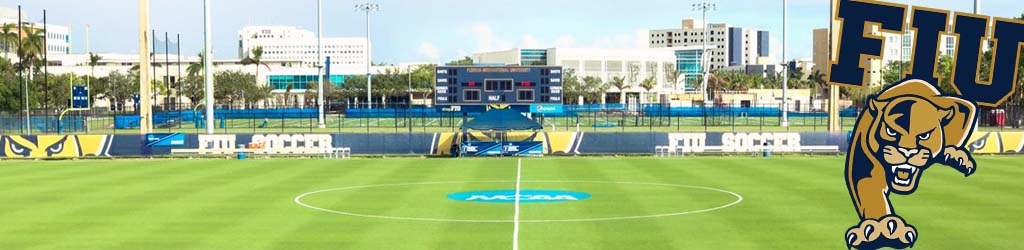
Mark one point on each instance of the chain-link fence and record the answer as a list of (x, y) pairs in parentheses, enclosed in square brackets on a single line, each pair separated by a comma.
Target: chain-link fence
[(403, 118)]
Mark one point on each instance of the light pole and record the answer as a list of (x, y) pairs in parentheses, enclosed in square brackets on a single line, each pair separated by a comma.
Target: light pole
[(319, 64), (368, 7), (785, 64), (704, 7), (208, 65)]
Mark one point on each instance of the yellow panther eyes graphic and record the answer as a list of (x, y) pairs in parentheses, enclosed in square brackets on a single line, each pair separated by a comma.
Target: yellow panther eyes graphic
[(47, 146)]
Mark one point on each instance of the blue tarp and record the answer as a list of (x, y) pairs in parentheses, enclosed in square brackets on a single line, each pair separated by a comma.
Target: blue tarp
[(501, 119)]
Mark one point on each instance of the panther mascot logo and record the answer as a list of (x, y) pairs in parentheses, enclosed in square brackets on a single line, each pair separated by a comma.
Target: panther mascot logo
[(904, 129)]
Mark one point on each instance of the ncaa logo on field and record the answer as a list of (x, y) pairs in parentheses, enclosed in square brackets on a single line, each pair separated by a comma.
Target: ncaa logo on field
[(525, 196)]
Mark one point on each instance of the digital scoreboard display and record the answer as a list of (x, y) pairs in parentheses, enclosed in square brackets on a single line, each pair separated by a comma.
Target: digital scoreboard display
[(79, 97), (472, 88)]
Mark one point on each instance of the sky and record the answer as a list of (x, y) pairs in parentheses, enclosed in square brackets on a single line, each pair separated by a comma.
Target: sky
[(443, 30)]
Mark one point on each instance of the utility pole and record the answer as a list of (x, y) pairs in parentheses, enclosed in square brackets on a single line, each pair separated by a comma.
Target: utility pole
[(319, 64), (833, 90), (21, 77), (368, 7), (145, 104), (785, 64), (177, 101), (167, 71), (705, 58), (208, 65), (46, 75)]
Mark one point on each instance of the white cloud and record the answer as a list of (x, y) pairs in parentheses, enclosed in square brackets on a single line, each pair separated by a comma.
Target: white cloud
[(636, 39), (775, 45), (565, 40), (428, 50), (530, 41), (486, 40)]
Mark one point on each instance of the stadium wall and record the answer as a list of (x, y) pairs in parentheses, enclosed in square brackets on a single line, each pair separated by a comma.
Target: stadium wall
[(554, 143)]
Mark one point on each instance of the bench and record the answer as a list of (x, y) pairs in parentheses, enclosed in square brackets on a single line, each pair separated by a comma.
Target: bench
[(338, 153)]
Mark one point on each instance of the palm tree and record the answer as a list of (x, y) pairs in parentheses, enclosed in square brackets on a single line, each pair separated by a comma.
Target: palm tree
[(619, 84), (195, 68), (8, 36), (94, 60), (31, 48), (648, 84), (256, 59), (288, 94), (672, 75)]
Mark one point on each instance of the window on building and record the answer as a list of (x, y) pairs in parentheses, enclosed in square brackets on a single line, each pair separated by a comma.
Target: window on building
[(524, 95)]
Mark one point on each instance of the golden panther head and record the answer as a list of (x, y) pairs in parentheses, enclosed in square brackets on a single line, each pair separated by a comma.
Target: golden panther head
[(912, 125)]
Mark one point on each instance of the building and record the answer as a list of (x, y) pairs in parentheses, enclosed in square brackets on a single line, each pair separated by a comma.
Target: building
[(728, 45), (895, 48), (58, 38), (633, 65), (293, 44), (170, 69)]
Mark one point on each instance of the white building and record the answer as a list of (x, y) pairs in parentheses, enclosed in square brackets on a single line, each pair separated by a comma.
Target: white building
[(633, 65), (58, 38), (293, 44), (170, 70), (728, 45)]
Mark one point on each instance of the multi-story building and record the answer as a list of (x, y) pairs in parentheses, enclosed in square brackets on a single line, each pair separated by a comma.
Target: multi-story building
[(632, 65), (895, 48), (727, 45), (293, 44), (58, 37)]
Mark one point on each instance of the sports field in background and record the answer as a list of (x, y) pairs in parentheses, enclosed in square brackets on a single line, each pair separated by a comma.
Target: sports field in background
[(788, 202)]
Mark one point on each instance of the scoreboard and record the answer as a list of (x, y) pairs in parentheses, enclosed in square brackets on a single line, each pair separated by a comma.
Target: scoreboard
[(79, 97), (534, 89)]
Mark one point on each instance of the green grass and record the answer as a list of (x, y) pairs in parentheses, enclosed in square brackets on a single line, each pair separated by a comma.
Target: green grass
[(790, 202)]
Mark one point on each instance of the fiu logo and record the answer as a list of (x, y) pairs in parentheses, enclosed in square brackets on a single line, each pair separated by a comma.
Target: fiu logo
[(55, 146), (904, 130), (911, 125)]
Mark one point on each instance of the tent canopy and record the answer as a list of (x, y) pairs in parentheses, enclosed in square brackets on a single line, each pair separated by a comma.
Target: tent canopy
[(501, 119)]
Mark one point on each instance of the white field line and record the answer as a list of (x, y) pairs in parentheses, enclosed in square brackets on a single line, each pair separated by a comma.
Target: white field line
[(432, 121), (515, 217), (298, 200)]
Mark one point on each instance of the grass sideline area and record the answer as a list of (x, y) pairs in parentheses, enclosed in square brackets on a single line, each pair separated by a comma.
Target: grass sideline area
[(788, 202)]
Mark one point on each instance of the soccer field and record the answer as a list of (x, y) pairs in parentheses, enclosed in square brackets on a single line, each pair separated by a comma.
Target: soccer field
[(738, 202)]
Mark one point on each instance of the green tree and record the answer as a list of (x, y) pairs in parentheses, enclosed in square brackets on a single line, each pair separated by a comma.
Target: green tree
[(9, 37), (648, 84), (593, 88), (255, 58), (94, 60), (619, 84), (197, 67), (893, 71), (673, 75), (461, 62), (122, 88), (572, 88), (31, 50), (235, 87), (193, 88)]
